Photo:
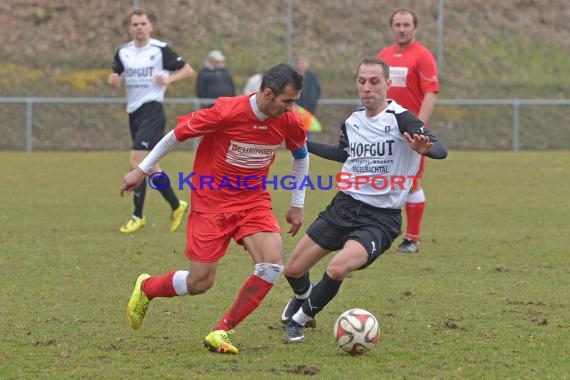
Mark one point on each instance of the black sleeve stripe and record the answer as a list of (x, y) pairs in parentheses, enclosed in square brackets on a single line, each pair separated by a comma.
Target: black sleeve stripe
[(171, 61), (117, 64), (343, 139), (408, 122)]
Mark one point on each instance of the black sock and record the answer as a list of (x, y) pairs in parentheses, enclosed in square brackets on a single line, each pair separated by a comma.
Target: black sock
[(167, 192), (321, 295), (299, 285), (138, 199)]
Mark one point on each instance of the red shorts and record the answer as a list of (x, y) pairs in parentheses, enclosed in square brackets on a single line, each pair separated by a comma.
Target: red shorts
[(422, 162), (208, 235), (422, 165)]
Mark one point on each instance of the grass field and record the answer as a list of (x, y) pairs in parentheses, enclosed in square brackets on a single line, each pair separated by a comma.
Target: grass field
[(487, 297)]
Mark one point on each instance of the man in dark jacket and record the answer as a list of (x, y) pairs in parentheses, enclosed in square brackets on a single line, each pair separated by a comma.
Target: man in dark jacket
[(311, 88), (214, 80)]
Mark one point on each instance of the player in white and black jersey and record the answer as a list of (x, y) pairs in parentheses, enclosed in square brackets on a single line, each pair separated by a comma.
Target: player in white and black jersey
[(147, 66), (380, 146)]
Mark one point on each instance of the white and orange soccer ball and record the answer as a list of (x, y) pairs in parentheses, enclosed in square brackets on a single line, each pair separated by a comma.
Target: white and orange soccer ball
[(356, 331)]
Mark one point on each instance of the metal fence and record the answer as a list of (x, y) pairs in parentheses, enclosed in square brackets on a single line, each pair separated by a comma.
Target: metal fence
[(514, 104)]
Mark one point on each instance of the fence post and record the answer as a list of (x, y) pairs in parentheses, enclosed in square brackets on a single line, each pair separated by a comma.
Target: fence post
[(29, 123), (289, 37), (516, 122), (440, 32)]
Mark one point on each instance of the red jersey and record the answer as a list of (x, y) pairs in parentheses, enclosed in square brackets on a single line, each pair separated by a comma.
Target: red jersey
[(233, 158), (413, 72)]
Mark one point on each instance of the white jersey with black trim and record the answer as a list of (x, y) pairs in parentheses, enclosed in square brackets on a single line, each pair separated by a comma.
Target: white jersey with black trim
[(139, 66), (381, 166)]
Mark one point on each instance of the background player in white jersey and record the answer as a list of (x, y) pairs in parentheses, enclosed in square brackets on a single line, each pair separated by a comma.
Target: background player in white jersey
[(379, 143), (147, 66)]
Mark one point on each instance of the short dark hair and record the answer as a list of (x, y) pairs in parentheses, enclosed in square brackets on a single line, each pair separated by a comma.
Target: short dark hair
[(280, 76), (375, 61), (139, 12), (404, 10)]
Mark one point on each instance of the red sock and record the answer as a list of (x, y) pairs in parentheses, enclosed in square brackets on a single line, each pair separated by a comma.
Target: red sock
[(250, 296), (159, 286), (414, 215)]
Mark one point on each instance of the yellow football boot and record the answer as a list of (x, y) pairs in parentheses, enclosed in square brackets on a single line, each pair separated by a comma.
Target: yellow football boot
[(178, 215), (133, 225), (219, 341), (138, 304)]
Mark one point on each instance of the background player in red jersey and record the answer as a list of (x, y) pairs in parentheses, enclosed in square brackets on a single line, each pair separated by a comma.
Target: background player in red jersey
[(240, 136), (415, 84)]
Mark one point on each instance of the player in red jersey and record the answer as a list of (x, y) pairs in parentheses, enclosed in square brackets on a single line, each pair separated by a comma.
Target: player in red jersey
[(240, 136), (415, 84)]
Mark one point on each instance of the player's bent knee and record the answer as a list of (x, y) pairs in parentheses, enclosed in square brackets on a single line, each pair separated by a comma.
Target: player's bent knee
[(337, 272), (293, 272), (296, 267)]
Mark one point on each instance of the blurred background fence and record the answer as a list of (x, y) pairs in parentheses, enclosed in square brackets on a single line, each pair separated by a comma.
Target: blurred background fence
[(101, 124), (505, 83)]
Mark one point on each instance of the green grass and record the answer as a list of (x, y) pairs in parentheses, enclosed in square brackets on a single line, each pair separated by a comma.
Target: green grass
[(508, 69), (486, 298)]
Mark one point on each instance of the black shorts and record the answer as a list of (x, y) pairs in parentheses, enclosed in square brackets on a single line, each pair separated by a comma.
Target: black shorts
[(147, 125), (345, 219)]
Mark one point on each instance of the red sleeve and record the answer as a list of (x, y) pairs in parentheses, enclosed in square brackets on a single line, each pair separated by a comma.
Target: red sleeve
[(429, 81), (296, 136), (198, 123), (383, 54)]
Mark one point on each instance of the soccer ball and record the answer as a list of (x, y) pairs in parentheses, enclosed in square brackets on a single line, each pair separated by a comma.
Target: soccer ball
[(356, 331)]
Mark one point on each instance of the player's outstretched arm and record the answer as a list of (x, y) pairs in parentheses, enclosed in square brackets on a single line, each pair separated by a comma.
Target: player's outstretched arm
[(136, 176), (299, 169), (327, 151), (131, 180), (426, 144), (419, 143), (295, 217)]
